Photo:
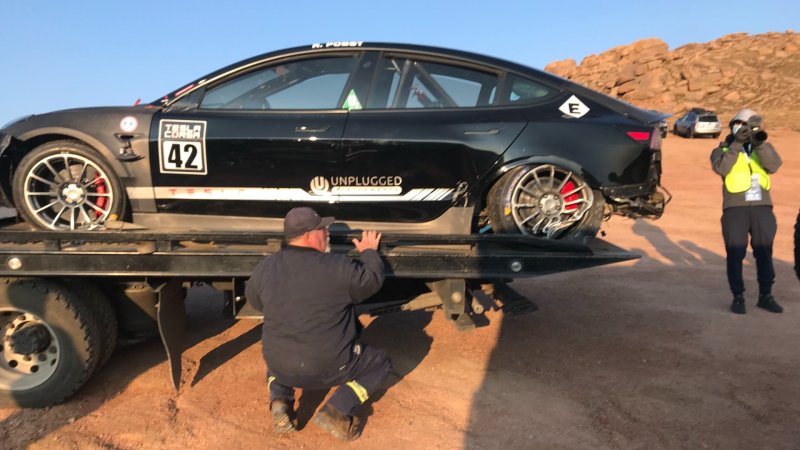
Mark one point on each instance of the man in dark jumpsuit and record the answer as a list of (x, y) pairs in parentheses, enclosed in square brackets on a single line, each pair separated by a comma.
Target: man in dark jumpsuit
[(310, 333), (744, 161)]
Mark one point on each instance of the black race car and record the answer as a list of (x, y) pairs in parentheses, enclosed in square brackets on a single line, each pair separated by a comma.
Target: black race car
[(395, 137)]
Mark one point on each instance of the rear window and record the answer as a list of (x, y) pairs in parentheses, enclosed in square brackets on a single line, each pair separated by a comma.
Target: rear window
[(709, 118)]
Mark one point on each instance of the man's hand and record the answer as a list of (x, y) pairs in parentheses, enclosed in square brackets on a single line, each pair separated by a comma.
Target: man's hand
[(755, 122), (742, 134), (369, 241)]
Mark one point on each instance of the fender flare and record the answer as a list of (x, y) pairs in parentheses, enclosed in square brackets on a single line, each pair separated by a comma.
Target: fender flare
[(120, 170), (496, 173)]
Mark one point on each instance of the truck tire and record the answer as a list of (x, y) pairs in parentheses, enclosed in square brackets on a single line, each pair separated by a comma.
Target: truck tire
[(67, 185), (49, 342), (103, 314), (544, 200)]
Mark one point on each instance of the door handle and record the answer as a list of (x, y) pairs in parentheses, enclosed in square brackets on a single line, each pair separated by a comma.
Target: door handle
[(492, 132), (305, 129)]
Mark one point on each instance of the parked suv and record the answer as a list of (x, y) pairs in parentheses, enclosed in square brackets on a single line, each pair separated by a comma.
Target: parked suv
[(698, 122)]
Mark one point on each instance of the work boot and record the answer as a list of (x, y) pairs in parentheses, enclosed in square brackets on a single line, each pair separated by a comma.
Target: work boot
[(737, 307), (282, 411), (767, 301), (341, 426)]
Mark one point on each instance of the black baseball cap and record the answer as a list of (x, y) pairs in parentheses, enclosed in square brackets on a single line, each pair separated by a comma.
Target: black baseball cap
[(302, 220)]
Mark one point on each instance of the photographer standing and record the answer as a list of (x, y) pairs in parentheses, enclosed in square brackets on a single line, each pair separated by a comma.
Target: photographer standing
[(745, 160)]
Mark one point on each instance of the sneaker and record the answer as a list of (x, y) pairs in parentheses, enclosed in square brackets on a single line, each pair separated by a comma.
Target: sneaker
[(341, 426), (282, 411), (767, 301), (737, 307)]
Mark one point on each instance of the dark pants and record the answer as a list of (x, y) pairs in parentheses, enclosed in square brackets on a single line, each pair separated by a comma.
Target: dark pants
[(759, 223), (357, 381)]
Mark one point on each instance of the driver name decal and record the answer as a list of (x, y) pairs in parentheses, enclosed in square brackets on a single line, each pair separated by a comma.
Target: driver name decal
[(182, 147)]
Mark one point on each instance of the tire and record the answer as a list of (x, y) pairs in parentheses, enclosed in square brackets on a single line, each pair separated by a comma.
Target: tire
[(104, 316), (66, 185), (715, 135), (524, 201), (64, 355), (690, 132)]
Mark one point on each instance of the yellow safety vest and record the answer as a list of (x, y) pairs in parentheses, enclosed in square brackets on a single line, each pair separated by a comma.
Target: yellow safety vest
[(738, 179)]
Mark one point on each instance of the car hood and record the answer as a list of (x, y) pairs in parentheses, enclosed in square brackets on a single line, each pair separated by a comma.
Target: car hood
[(106, 118)]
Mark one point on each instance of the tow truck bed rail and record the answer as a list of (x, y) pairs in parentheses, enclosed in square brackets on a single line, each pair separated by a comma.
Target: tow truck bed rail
[(226, 255)]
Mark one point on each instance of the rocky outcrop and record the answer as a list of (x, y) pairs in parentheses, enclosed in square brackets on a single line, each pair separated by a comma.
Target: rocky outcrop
[(758, 71)]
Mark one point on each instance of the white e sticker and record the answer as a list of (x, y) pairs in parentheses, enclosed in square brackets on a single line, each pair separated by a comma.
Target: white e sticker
[(182, 147), (574, 108), (128, 124)]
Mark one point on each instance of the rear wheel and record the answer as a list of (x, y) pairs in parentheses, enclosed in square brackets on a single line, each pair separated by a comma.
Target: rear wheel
[(546, 201), (49, 342), (690, 132), (66, 185)]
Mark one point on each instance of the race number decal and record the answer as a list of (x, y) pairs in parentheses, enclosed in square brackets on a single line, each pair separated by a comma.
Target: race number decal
[(182, 147)]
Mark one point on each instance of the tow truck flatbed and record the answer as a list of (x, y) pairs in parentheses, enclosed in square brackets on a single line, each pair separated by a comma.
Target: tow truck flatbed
[(127, 280), (226, 255)]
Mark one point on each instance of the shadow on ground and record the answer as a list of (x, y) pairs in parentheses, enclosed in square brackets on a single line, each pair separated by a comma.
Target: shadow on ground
[(643, 356)]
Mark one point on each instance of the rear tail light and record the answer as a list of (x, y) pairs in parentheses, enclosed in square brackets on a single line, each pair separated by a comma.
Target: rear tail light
[(639, 135), (642, 136)]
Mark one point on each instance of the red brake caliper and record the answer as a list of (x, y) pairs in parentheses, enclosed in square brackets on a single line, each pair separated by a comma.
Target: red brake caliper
[(100, 188), (570, 198)]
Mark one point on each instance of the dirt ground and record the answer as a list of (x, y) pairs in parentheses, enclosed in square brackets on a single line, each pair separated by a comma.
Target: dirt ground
[(643, 354)]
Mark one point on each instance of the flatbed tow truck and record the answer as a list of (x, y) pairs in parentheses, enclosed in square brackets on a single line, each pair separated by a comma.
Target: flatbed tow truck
[(66, 298)]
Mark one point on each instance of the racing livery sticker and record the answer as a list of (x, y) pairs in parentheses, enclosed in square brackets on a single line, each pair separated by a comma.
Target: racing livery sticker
[(352, 185), (298, 195), (573, 107), (182, 147), (128, 124)]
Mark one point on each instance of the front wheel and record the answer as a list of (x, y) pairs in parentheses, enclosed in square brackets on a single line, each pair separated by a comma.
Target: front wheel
[(66, 185), (546, 201)]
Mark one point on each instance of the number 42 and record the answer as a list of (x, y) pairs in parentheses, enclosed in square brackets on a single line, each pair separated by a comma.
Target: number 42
[(184, 156)]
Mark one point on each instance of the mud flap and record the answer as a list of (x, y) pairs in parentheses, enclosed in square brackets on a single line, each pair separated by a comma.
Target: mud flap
[(171, 311)]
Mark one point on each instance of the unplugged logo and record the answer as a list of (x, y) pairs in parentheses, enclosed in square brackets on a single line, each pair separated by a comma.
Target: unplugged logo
[(320, 185)]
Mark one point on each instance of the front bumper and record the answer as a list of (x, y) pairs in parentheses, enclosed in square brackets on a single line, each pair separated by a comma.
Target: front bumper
[(5, 170)]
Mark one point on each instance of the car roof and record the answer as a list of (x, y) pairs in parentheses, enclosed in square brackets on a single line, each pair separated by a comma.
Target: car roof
[(417, 50)]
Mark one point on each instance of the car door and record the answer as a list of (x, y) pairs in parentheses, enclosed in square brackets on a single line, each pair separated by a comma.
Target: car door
[(429, 130), (247, 145)]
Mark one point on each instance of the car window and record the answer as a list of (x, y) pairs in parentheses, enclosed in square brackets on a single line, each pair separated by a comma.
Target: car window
[(306, 84), (709, 118), (524, 90), (409, 84)]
